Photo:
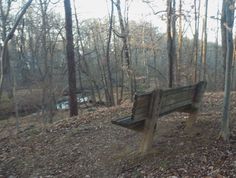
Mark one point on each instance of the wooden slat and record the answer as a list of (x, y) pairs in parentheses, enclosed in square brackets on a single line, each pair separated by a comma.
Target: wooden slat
[(179, 89), (179, 94), (172, 96), (139, 117), (175, 100), (141, 111), (129, 123), (175, 106), (142, 98), (143, 104), (170, 101)]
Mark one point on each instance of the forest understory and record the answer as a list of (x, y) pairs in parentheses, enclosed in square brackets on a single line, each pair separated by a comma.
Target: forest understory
[(90, 146)]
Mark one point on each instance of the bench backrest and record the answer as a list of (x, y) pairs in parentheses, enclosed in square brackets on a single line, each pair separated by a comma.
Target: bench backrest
[(185, 99)]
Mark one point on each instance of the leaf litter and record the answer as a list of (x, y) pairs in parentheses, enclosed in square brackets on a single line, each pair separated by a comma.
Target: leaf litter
[(90, 146)]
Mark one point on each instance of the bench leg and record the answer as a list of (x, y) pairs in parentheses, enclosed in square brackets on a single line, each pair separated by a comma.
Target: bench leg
[(150, 122), (192, 119), (148, 135)]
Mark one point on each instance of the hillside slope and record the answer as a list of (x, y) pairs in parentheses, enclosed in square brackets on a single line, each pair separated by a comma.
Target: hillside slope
[(90, 146)]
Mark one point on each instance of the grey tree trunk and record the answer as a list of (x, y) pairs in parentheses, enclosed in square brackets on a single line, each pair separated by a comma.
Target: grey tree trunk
[(223, 37), (15, 99), (216, 52), (180, 46), (228, 10), (196, 36), (111, 93), (171, 35), (204, 51)]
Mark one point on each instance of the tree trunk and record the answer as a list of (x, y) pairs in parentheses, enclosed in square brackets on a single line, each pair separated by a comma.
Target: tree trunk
[(228, 10), (216, 52), (124, 37), (171, 35), (15, 99), (3, 59), (111, 94), (204, 62), (233, 65), (70, 60), (195, 54), (223, 41), (180, 46), (44, 56), (117, 69)]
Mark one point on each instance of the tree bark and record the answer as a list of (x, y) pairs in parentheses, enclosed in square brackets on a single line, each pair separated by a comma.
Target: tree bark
[(70, 60), (171, 35), (228, 10), (111, 93), (224, 41), (180, 46), (216, 52), (195, 54), (204, 50)]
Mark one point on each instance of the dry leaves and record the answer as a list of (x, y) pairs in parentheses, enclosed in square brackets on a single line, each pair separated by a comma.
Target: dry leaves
[(90, 146)]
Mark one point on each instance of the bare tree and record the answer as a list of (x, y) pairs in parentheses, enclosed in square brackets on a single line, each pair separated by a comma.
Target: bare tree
[(228, 16), (223, 37), (4, 60), (70, 60), (96, 35), (196, 36), (180, 45), (171, 46), (203, 65), (111, 95), (124, 36), (82, 58), (216, 50)]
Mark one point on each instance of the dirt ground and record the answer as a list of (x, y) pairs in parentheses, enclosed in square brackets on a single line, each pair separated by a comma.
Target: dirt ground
[(90, 146)]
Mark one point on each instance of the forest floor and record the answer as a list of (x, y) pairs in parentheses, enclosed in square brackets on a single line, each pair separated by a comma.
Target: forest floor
[(90, 146)]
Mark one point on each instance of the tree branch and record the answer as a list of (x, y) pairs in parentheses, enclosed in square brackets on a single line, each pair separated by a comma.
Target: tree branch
[(9, 36)]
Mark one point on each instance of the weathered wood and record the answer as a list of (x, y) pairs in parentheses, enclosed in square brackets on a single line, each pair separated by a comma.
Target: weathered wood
[(141, 111), (150, 122), (130, 123), (182, 99), (142, 100), (148, 107), (199, 91), (179, 96), (175, 106), (143, 104), (179, 89), (192, 118), (177, 102)]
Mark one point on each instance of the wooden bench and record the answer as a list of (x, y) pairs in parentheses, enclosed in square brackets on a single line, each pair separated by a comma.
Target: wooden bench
[(148, 107)]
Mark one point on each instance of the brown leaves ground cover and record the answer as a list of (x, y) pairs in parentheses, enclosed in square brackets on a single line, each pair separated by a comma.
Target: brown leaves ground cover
[(90, 146)]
